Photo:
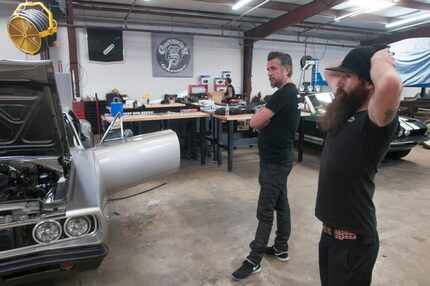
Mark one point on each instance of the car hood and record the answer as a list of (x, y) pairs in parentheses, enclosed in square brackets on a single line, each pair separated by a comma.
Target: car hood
[(31, 121)]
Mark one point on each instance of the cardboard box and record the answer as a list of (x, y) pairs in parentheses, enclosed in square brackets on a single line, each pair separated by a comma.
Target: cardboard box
[(216, 96)]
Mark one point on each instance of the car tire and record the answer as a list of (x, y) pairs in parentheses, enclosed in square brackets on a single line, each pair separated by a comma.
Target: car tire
[(397, 155)]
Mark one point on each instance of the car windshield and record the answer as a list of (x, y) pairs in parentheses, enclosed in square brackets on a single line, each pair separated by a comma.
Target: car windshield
[(320, 101), (324, 97)]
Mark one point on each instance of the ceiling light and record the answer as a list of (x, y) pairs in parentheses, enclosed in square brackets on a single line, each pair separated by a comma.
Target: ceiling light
[(408, 21), (239, 4), (368, 3), (365, 6)]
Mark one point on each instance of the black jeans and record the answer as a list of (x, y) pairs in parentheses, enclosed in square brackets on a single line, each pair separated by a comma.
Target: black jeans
[(346, 262), (273, 197)]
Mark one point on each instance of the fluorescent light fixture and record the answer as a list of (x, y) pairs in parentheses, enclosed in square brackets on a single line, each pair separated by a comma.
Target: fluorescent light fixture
[(408, 21), (409, 26), (254, 8), (365, 6), (239, 4)]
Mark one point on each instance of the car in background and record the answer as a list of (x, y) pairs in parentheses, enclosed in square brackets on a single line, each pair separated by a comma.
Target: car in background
[(54, 190), (411, 131)]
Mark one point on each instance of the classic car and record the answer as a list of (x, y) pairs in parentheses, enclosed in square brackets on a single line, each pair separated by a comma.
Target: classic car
[(410, 132), (54, 191)]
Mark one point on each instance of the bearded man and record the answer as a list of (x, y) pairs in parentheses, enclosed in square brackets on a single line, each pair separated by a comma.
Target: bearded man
[(359, 125)]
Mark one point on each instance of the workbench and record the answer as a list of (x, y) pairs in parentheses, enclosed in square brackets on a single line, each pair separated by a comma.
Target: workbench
[(164, 118), (230, 119), (162, 106)]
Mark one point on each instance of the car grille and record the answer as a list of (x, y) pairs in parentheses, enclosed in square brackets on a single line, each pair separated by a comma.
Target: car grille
[(21, 236)]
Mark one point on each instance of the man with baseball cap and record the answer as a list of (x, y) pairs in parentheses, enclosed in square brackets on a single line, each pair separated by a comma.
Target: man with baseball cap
[(359, 125)]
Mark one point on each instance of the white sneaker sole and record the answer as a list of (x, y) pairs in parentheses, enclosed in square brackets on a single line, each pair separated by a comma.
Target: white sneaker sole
[(282, 259)]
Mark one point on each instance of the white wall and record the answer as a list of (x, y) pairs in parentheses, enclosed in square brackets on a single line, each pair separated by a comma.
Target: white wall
[(134, 75)]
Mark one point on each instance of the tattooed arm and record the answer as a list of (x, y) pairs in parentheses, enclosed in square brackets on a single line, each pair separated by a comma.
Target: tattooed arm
[(385, 101)]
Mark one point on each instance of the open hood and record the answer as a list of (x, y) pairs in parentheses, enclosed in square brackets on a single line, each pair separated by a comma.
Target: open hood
[(31, 120)]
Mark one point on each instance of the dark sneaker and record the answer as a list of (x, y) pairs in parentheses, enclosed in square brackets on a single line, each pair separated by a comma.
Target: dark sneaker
[(280, 255), (246, 269)]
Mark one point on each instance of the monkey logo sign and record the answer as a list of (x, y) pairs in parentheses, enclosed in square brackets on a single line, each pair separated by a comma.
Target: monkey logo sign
[(173, 55)]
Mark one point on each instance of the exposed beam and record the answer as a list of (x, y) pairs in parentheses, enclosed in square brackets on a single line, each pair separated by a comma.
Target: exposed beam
[(162, 13), (176, 12), (296, 16), (170, 12), (288, 7), (420, 32), (213, 35)]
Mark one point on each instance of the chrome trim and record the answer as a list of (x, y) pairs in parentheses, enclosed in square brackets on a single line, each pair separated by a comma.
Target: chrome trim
[(93, 238), (47, 221), (402, 142), (27, 158), (59, 244), (313, 139), (29, 222)]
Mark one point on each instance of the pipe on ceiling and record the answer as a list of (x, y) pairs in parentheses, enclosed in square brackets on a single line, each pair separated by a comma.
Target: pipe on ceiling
[(213, 35)]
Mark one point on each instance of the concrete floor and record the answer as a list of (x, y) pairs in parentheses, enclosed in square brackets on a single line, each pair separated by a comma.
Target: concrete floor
[(196, 229)]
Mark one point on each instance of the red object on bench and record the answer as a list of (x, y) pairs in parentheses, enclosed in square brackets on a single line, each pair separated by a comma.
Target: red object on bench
[(79, 109)]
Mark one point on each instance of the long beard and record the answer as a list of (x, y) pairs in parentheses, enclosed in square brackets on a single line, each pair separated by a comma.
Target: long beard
[(343, 106)]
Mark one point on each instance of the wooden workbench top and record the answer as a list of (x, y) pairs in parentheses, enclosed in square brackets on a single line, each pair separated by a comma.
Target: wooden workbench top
[(169, 105), (245, 116), (237, 117), (159, 116)]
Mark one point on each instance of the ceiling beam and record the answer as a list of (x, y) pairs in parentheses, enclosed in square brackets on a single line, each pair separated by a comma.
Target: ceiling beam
[(161, 13), (181, 13), (228, 16), (420, 32), (295, 16), (288, 7)]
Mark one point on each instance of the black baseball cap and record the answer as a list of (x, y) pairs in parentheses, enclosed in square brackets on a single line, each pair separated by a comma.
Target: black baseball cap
[(357, 61)]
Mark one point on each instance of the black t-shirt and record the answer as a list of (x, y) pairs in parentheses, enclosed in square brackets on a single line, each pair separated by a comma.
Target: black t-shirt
[(349, 162), (276, 140)]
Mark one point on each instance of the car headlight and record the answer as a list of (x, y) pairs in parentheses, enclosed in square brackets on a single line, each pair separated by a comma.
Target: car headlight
[(47, 231), (77, 226)]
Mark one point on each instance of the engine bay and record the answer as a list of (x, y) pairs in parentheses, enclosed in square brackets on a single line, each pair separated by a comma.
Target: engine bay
[(27, 180)]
